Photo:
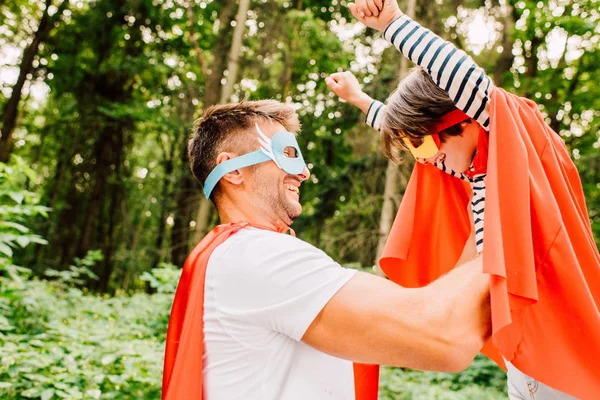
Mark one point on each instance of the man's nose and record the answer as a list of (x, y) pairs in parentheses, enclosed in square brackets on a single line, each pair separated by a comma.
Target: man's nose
[(422, 160), (305, 174)]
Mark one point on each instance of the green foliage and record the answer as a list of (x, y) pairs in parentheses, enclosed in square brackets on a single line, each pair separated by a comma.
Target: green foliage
[(482, 380), (163, 279), (59, 342), (17, 205), (77, 273)]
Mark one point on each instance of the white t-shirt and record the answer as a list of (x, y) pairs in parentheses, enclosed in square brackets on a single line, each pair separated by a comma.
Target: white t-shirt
[(263, 290)]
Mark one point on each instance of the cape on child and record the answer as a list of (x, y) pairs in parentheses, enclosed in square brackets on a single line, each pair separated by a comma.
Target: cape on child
[(489, 165)]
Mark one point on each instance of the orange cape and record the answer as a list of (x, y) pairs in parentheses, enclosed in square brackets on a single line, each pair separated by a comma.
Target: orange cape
[(539, 250), (182, 376)]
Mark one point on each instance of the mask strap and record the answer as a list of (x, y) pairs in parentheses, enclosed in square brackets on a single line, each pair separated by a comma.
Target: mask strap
[(231, 165), (450, 119)]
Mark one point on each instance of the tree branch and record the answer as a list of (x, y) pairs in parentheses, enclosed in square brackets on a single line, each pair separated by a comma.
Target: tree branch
[(197, 50)]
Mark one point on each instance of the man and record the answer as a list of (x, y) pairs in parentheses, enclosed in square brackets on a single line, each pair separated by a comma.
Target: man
[(482, 147), (260, 314)]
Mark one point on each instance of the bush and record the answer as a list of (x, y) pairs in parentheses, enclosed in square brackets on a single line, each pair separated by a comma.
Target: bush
[(17, 207), (482, 380), (59, 342)]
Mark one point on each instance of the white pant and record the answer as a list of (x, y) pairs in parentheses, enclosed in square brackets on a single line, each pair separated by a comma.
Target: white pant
[(523, 387)]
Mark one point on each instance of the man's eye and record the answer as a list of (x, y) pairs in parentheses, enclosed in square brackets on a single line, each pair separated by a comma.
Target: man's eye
[(290, 152)]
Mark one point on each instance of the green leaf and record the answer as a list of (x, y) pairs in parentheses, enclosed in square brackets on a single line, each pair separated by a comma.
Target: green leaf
[(19, 227), (23, 241), (4, 248), (4, 385), (47, 394), (32, 392), (94, 393), (37, 239), (108, 359), (17, 197), (63, 394)]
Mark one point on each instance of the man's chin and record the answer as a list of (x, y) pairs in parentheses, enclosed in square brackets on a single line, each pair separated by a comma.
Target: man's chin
[(294, 210)]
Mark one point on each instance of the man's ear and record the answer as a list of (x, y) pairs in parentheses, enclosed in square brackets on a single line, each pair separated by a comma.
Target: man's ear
[(234, 177)]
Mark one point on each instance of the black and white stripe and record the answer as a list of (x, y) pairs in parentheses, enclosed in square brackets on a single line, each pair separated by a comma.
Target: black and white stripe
[(477, 207), (477, 183), (451, 69), (374, 114)]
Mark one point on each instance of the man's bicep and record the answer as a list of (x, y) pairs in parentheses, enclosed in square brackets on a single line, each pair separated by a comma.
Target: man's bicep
[(373, 320)]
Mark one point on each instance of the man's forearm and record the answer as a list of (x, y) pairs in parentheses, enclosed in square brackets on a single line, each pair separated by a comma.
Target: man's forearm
[(460, 301)]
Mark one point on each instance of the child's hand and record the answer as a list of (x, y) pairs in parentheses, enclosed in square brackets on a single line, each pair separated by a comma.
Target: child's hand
[(345, 85), (376, 14)]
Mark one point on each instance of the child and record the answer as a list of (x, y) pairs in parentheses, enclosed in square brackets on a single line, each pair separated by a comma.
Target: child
[(481, 148)]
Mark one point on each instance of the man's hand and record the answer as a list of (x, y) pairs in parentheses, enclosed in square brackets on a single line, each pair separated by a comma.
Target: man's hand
[(376, 14), (346, 86)]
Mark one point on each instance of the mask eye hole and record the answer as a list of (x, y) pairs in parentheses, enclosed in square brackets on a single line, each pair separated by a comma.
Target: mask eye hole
[(416, 142), (290, 152)]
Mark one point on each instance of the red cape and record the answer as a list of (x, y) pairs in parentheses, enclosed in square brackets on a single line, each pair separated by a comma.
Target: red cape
[(539, 249), (182, 376)]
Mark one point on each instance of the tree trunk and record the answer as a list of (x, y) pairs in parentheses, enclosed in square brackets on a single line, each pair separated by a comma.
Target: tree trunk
[(169, 166), (188, 187), (506, 59), (390, 193), (531, 62), (191, 22), (212, 91), (289, 58), (10, 112), (233, 63)]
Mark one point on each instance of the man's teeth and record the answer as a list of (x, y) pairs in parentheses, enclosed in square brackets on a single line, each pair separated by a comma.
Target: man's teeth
[(292, 188)]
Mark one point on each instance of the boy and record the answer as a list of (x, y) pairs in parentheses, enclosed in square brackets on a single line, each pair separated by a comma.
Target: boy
[(482, 148)]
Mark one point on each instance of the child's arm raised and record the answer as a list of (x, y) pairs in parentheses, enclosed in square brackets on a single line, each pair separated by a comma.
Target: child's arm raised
[(451, 69), (346, 86)]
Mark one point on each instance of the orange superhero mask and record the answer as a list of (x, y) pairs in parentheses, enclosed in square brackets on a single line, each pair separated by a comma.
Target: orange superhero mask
[(539, 250), (182, 376)]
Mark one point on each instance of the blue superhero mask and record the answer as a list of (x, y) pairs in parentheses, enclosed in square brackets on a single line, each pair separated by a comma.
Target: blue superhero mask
[(272, 149)]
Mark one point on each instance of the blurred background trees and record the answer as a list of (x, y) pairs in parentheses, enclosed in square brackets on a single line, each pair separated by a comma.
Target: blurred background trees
[(99, 98)]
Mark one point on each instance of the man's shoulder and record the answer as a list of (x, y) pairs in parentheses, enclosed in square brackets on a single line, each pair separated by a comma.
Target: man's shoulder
[(261, 239), (253, 245)]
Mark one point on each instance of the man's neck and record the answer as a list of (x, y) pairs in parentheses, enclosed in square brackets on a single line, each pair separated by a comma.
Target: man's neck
[(233, 213)]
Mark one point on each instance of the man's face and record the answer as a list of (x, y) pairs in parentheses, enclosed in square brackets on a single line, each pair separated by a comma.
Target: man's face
[(274, 190)]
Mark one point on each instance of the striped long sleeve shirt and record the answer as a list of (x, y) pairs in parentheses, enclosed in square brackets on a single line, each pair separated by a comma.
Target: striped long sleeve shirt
[(457, 74)]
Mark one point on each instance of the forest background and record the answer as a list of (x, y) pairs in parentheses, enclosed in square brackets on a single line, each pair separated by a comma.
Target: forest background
[(98, 209)]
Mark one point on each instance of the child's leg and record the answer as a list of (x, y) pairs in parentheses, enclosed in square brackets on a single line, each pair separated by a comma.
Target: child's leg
[(523, 387)]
